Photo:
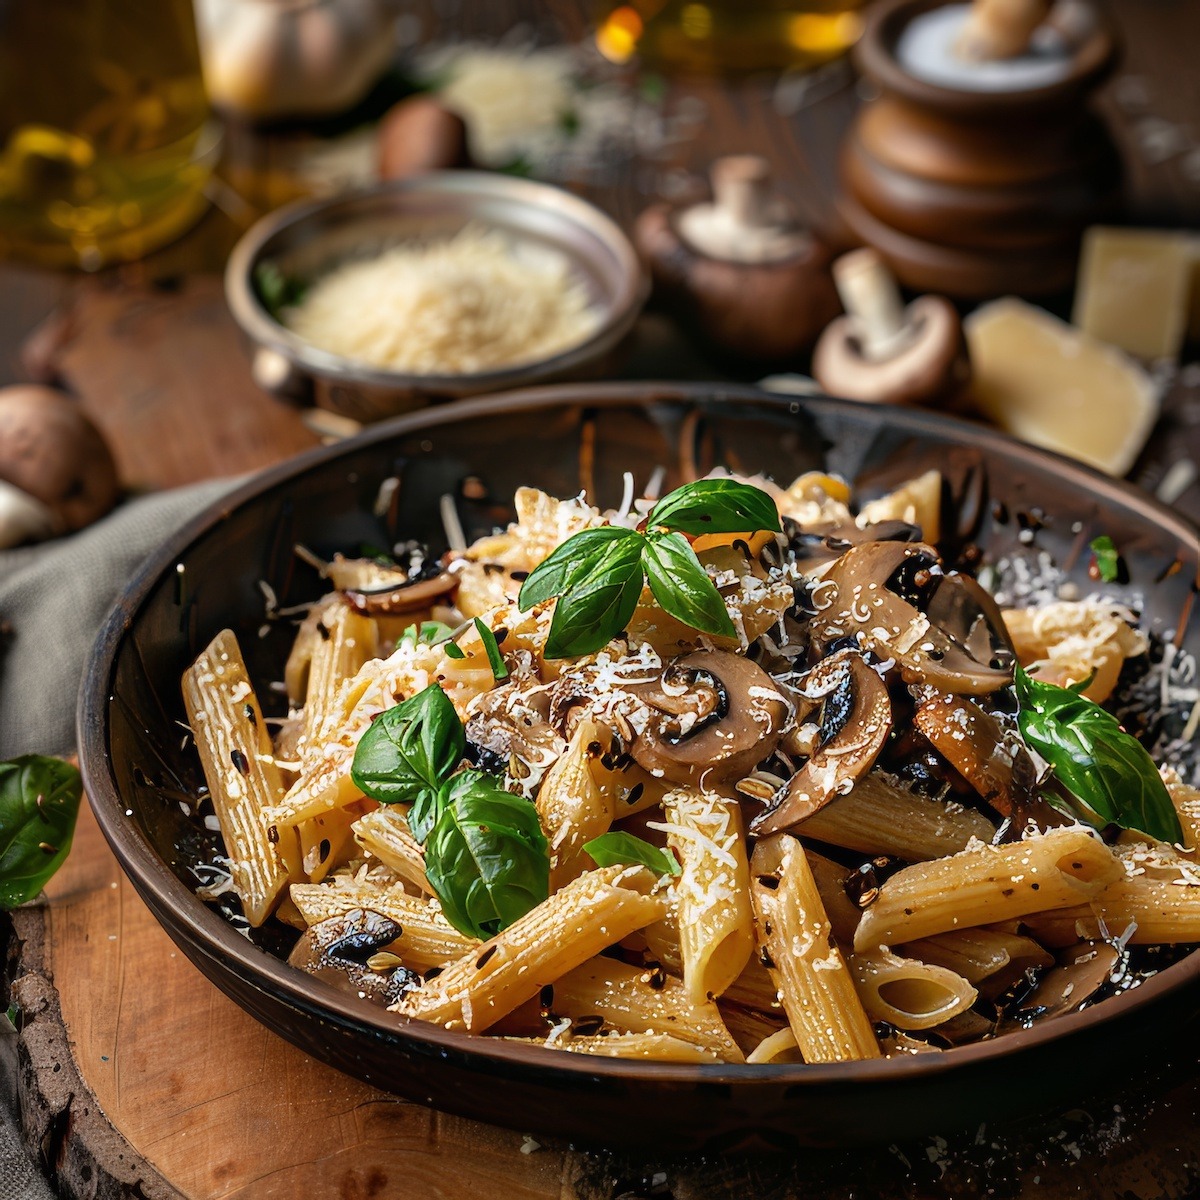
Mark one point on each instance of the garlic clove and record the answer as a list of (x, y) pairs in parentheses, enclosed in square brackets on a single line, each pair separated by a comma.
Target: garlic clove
[(23, 518)]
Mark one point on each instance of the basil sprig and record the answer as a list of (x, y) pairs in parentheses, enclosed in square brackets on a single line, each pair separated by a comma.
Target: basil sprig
[(1107, 771), (39, 801), (486, 857), (597, 575), (616, 846)]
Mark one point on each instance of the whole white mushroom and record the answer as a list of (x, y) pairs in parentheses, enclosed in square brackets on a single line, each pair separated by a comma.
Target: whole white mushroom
[(56, 471)]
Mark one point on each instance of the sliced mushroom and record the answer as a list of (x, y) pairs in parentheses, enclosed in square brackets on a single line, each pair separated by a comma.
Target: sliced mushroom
[(1082, 971), (863, 604), (974, 743), (340, 949), (517, 736), (712, 714), (407, 594), (858, 733)]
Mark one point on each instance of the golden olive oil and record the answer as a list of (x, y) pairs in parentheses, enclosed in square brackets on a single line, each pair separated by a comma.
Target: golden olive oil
[(105, 141), (729, 35)]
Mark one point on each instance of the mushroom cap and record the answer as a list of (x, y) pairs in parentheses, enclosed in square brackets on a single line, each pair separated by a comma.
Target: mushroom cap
[(736, 712), (930, 367), (51, 451)]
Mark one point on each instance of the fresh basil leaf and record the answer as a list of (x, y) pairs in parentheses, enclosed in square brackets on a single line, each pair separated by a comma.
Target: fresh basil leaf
[(495, 658), (428, 808), (454, 650), (1107, 560), (1105, 768), (682, 587), (715, 506), (594, 611), (428, 633), (572, 562), (615, 847), (487, 858), (39, 801), (409, 750), (277, 290)]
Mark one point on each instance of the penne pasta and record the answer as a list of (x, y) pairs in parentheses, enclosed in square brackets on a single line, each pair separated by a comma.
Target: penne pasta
[(660, 1047), (345, 642), (815, 986), (978, 954), (243, 779), (716, 926), (777, 1047), (988, 883), (906, 993), (384, 833), (573, 925)]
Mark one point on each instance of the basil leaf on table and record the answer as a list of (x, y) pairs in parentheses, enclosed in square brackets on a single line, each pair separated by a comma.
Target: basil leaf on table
[(487, 858), (592, 613), (616, 846), (1103, 767), (409, 751), (1106, 559), (715, 506), (39, 801), (682, 586)]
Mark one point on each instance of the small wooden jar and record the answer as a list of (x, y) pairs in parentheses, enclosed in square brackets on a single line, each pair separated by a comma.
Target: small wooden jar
[(977, 193)]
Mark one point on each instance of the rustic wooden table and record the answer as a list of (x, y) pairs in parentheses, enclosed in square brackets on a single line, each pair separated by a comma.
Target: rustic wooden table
[(139, 1078)]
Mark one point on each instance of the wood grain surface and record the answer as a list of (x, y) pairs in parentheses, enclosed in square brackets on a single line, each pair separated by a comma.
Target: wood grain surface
[(140, 1079)]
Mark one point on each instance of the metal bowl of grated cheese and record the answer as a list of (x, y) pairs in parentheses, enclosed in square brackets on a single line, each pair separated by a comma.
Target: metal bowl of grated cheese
[(446, 285)]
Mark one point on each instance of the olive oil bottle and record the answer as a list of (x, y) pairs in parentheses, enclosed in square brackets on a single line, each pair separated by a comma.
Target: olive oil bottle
[(105, 141), (723, 36)]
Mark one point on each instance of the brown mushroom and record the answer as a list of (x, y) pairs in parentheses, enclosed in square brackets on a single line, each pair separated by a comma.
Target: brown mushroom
[(881, 351), (862, 603), (56, 472), (740, 269), (407, 594), (420, 134), (713, 716), (1082, 971), (856, 719), (339, 951)]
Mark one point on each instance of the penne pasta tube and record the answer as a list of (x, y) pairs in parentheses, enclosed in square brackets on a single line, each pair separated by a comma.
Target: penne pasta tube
[(777, 1047), (239, 767), (754, 988), (637, 1000), (842, 912), (749, 1027), (1139, 911), (573, 804), (988, 883), (880, 817), (324, 841), (385, 834), (345, 642), (906, 993), (657, 1047), (715, 922), (977, 954), (572, 926), (1186, 800), (428, 939), (815, 986)]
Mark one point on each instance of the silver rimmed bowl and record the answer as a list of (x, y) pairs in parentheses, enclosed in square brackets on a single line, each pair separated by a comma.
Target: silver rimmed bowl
[(305, 240)]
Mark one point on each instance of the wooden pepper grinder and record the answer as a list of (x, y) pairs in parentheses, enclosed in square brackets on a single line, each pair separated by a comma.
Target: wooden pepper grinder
[(980, 164), (740, 270)]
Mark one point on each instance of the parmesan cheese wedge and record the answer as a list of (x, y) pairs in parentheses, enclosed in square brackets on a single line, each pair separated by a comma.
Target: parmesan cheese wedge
[(1046, 382)]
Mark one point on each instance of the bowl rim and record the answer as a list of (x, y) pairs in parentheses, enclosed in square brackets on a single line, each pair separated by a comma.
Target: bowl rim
[(216, 938), (268, 333)]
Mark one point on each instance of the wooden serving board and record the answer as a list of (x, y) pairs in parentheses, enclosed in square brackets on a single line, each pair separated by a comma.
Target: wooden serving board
[(140, 1079)]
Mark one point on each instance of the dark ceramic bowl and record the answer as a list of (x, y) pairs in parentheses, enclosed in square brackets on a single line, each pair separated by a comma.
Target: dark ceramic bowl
[(562, 439)]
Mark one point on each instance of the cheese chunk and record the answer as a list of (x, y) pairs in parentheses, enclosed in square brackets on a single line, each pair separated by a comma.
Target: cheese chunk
[(1135, 288), (1045, 382)]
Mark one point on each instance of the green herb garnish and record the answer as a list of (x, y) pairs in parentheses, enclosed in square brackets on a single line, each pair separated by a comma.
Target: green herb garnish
[(1109, 774), (1105, 559), (486, 857), (277, 290), (495, 658), (428, 633), (597, 575), (39, 801), (615, 847)]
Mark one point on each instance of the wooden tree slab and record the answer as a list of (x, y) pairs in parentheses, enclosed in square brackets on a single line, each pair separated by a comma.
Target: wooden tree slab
[(140, 1079)]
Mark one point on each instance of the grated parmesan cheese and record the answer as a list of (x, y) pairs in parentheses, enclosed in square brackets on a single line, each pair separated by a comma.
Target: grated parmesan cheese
[(474, 302)]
